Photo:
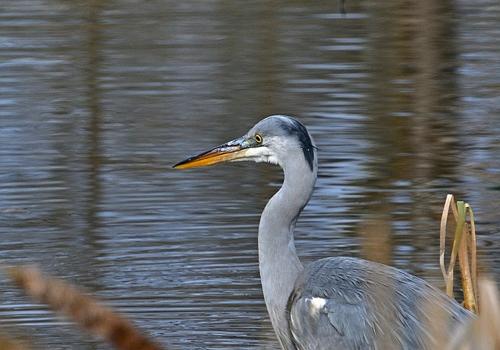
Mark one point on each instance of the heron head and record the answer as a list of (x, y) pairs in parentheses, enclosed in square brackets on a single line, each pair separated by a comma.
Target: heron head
[(273, 140)]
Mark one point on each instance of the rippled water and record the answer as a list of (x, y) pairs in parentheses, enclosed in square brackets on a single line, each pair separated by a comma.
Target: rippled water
[(99, 98)]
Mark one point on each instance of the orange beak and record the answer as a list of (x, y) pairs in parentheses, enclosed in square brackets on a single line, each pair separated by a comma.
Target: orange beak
[(230, 151)]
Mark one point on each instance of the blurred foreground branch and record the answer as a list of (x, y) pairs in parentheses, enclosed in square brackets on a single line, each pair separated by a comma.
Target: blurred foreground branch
[(82, 309), (7, 343), (484, 332)]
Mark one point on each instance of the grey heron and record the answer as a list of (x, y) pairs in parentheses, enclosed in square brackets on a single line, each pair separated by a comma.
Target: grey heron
[(333, 303)]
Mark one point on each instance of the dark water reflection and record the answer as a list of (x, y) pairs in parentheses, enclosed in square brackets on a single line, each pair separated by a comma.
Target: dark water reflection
[(99, 98)]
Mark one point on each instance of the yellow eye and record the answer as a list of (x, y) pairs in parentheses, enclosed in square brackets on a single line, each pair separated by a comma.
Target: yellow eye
[(258, 138)]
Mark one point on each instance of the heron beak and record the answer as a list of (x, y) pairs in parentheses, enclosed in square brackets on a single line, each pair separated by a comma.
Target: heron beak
[(233, 150)]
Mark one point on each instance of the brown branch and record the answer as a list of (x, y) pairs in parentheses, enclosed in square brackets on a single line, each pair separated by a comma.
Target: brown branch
[(90, 314), (7, 343), (481, 332)]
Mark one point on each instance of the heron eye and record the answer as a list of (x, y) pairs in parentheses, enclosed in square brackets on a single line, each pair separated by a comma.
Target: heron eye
[(258, 138)]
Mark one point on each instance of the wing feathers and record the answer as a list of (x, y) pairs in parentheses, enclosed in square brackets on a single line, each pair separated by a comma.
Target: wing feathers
[(348, 303)]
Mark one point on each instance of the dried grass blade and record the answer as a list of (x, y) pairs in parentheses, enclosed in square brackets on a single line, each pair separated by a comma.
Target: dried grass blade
[(457, 241), (442, 239), (473, 253)]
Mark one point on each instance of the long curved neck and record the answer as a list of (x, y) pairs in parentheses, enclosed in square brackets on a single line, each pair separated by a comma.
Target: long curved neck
[(278, 261)]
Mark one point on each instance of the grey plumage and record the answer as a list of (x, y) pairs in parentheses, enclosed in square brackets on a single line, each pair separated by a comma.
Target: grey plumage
[(368, 306), (334, 303)]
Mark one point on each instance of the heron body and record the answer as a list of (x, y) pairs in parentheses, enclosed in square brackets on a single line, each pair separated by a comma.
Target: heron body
[(333, 303)]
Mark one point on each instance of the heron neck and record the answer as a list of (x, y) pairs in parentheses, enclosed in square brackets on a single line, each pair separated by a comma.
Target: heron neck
[(278, 261)]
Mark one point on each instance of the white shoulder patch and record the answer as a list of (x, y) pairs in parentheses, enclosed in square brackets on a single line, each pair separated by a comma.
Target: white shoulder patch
[(315, 305), (318, 302)]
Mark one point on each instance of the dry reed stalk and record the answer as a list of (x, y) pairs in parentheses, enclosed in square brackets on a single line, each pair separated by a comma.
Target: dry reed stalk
[(82, 309), (467, 284), (463, 248)]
